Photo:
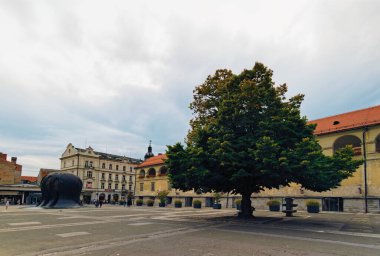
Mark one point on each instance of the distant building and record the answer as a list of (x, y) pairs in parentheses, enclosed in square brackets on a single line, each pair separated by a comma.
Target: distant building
[(15, 188), (105, 176), (10, 171), (28, 180), (151, 177), (44, 172)]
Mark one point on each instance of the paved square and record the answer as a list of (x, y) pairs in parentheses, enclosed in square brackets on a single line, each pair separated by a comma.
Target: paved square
[(116, 230)]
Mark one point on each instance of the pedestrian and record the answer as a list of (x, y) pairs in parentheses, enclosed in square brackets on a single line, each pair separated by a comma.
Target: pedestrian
[(7, 205), (100, 203), (129, 202)]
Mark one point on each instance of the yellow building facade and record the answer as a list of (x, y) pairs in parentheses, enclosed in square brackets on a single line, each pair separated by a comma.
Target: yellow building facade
[(151, 178), (105, 177), (359, 193)]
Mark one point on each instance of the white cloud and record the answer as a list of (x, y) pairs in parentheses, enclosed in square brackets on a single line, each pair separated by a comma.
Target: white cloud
[(118, 73)]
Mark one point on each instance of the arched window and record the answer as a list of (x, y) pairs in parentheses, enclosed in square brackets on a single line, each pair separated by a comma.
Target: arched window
[(377, 143), (163, 171), (348, 140), (142, 174), (117, 167), (110, 167), (152, 172), (103, 165)]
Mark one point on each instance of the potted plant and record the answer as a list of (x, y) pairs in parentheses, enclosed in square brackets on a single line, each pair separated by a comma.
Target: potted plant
[(238, 204), (312, 206), (197, 204), (162, 195), (139, 202), (150, 202), (274, 205), (177, 203), (217, 204)]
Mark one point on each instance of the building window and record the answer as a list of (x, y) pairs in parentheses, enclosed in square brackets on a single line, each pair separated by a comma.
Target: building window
[(64, 164), (109, 186), (123, 177), (141, 186), (102, 186), (377, 142), (117, 177), (110, 167), (130, 168), (103, 165), (110, 176), (117, 167), (89, 185), (103, 175), (116, 186), (90, 163), (130, 178), (72, 163), (152, 186), (123, 187), (142, 174), (89, 174), (130, 187), (348, 140), (124, 169), (86, 164)]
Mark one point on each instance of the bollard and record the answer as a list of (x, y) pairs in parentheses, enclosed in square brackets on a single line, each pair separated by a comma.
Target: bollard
[(289, 207)]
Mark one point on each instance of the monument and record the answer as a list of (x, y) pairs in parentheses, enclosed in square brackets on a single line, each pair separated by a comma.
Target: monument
[(61, 190)]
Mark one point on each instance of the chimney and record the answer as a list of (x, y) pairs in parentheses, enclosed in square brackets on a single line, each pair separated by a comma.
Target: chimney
[(14, 159), (3, 156)]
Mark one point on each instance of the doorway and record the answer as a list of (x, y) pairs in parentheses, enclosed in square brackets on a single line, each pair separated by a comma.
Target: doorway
[(332, 204)]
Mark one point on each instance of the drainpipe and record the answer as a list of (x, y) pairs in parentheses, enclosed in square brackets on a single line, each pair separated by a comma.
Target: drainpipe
[(365, 170)]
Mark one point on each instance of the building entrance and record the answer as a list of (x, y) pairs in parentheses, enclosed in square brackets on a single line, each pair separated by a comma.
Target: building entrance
[(332, 204)]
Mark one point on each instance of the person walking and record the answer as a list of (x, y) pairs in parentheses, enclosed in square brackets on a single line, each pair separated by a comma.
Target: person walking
[(7, 205)]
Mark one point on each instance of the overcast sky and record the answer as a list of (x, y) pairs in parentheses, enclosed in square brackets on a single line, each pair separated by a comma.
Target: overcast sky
[(116, 74)]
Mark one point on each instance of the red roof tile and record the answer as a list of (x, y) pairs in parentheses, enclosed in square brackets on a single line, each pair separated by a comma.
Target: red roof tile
[(347, 121), (29, 178), (154, 160)]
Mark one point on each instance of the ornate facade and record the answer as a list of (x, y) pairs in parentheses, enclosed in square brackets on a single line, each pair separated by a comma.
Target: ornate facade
[(106, 177)]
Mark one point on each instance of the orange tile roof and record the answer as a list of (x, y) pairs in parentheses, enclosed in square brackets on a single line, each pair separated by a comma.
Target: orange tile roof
[(29, 178), (347, 121), (154, 160)]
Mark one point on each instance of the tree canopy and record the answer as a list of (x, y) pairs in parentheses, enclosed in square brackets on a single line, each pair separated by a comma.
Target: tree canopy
[(246, 136)]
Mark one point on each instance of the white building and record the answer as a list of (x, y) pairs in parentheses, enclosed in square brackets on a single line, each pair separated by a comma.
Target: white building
[(105, 176)]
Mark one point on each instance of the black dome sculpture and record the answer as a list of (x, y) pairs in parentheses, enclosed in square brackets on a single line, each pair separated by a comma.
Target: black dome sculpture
[(61, 190)]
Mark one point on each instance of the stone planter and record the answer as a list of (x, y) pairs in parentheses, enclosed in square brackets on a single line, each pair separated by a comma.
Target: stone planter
[(197, 206), (177, 205), (313, 209), (217, 206), (161, 205), (274, 208)]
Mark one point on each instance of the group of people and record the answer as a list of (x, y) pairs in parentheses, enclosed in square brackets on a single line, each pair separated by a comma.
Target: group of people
[(99, 203)]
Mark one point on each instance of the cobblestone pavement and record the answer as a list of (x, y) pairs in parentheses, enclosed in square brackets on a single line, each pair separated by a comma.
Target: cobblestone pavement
[(115, 230)]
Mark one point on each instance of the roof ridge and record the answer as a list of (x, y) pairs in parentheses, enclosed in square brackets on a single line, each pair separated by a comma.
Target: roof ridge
[(350, 112)]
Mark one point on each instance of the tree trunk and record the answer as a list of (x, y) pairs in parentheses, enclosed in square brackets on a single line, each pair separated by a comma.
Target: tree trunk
[(246, 207)]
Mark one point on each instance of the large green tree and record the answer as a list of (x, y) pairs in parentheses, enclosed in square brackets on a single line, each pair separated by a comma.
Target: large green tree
[(246, 136)]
